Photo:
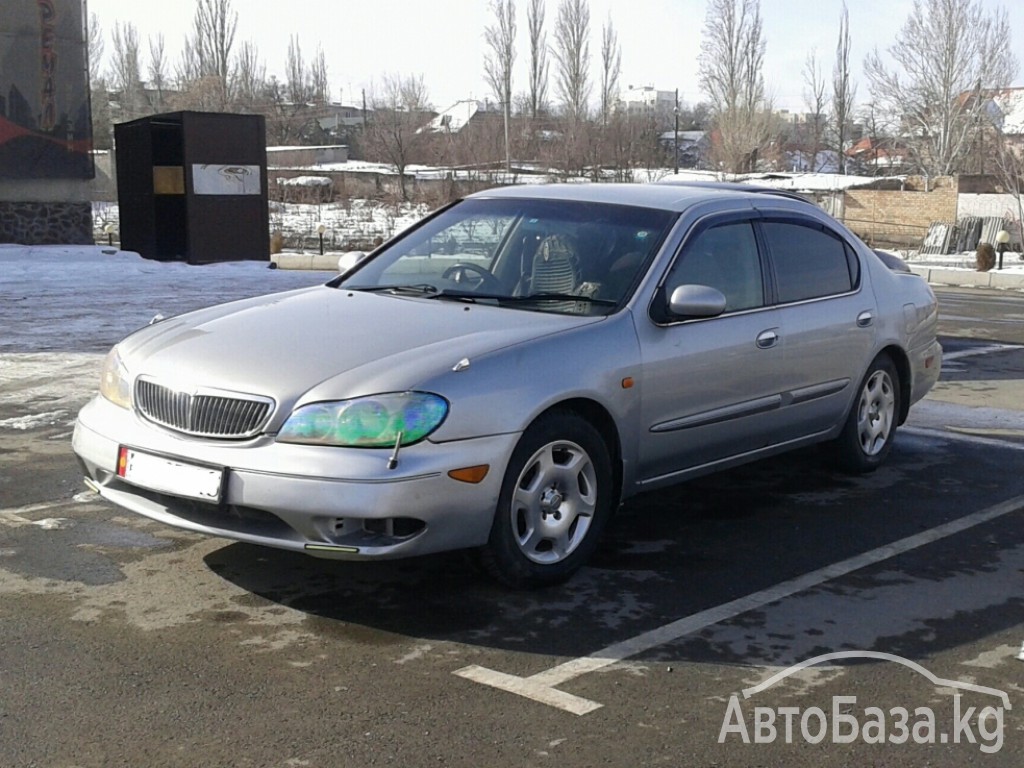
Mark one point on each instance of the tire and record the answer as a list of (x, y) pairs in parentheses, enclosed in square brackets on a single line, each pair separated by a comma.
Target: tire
[(870, 427), (555, 501)]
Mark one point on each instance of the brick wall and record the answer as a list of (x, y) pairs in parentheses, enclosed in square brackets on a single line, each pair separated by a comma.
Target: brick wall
[(900, 217)]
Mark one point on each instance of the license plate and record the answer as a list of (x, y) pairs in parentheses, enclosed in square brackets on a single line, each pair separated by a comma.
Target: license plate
[(170, 476)]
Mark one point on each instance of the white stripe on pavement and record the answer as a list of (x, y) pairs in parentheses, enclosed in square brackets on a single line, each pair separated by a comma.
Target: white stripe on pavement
[(540, 687)]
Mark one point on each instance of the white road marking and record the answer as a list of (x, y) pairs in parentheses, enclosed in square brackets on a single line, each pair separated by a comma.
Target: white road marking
[(14, 517), (954, 433), (975, 351), (541, 686)]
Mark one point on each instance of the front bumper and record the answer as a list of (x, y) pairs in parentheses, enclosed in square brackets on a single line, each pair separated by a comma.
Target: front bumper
[(330, 502)]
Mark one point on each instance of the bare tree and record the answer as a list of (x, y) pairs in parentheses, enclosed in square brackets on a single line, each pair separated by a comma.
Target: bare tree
[(611, 68), (298, 84), (125, 75), (393, 134), (948, 53), (1009, 167), (538, 58), (874, 157), (157, 70), (572, 58), (816, 102), (99, 95), (319, 84), (249, 79), (730, 64), (213, 35), (94, 48), (186, 70), (498, 62), (844, 91)]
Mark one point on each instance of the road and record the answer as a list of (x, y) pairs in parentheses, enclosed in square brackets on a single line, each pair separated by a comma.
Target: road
[(123, 642)]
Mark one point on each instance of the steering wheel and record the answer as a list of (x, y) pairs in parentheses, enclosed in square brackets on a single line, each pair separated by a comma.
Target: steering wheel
[(485, 279)]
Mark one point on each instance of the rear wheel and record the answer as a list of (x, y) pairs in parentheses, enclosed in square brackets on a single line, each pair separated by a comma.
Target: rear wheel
[(867, 436), (554, 503)]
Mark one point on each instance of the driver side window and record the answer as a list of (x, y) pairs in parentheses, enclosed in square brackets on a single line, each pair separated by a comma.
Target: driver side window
[(723, 257)]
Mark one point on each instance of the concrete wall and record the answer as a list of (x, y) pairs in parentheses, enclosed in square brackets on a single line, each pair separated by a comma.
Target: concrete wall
[(299, 157), (900, 217), (372, 185)]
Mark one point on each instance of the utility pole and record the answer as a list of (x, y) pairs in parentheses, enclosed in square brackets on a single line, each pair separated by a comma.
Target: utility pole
[(508, 157), (675, 143)]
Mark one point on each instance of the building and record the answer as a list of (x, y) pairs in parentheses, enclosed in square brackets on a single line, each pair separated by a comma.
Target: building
[(459, 115), (692, 147), (647, 100)]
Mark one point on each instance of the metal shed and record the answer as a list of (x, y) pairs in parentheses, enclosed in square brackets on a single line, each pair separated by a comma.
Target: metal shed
[(192, 186)]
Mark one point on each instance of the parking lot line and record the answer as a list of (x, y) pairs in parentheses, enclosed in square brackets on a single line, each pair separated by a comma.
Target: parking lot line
[(14, 517), (952, 433), (540, 687), (975, 351)]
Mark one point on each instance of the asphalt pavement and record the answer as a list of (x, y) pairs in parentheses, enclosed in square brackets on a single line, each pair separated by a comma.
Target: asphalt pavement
[(123, 642)]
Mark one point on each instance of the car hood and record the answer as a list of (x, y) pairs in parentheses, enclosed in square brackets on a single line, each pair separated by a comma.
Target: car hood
[(325, 342)]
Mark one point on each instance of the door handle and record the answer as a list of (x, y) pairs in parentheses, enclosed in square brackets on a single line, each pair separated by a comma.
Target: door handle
[(767, 339), (865, 318)]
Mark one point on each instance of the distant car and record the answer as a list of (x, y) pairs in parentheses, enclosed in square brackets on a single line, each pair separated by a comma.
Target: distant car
[(502, 375)]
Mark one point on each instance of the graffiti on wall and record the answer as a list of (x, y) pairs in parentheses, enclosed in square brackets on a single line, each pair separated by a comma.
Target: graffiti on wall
[(45, 125)]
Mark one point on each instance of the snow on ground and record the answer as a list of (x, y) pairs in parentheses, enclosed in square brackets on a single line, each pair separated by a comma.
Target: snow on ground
[(63, 307), (347, 225), (86, 298), (1012, 261)]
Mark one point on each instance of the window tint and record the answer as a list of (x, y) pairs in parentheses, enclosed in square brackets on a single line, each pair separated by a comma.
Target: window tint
[(808, 261), (723, 257)]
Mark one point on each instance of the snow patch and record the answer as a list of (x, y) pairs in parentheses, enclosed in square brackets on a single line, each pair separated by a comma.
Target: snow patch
[(32, 421)]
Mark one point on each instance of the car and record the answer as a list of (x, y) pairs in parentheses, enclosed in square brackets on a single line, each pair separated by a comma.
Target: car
[(501, 376)]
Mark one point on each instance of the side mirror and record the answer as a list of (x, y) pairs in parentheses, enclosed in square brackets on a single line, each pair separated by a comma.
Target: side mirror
[(696, 301), (349, 260)]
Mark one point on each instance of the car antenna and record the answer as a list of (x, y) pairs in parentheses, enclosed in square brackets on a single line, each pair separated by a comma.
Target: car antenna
[(393, 459)]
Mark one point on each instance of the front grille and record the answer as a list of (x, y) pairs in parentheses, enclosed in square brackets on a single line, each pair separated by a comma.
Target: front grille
[(203, 414)]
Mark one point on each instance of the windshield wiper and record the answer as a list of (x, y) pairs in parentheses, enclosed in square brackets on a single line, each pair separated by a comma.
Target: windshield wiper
[(558, 297), (419, 289)]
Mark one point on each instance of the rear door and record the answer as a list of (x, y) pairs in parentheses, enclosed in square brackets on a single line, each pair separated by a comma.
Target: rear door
[(827, 321)]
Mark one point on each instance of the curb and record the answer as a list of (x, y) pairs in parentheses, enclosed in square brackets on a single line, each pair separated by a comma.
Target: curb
[(968, 279), (327, 262)]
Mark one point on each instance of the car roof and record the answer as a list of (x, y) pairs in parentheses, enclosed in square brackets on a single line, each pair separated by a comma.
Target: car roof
[(672, 196)]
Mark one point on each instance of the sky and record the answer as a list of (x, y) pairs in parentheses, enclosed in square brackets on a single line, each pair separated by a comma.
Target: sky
[(443, 40)]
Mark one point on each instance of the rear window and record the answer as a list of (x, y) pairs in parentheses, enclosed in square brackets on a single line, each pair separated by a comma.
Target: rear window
[(809, 261)]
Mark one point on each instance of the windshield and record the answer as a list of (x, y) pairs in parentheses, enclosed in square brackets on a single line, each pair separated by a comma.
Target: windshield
[(540, 255)]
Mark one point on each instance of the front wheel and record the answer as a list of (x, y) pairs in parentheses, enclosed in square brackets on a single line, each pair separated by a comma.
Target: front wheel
[(554, 503), (867, 436)]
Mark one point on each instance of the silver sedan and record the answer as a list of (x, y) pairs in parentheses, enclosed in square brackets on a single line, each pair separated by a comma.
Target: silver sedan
[(504, 374)]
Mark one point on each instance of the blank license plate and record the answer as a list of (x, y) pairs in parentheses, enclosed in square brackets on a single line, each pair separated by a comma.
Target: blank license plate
[(170, 476)]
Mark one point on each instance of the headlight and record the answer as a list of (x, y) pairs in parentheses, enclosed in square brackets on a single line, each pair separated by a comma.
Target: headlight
[(366, 422), (114, 382)]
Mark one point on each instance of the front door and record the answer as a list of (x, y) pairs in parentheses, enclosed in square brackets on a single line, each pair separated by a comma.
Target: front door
[(710, 386)]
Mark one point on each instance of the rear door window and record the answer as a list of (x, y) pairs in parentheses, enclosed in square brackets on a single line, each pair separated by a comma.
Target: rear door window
[(809, 261)]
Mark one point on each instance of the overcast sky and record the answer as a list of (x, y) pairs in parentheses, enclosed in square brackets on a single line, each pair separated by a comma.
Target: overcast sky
[(444, 39)]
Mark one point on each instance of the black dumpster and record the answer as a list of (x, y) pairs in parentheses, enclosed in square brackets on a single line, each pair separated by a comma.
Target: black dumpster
[(192, 186)]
